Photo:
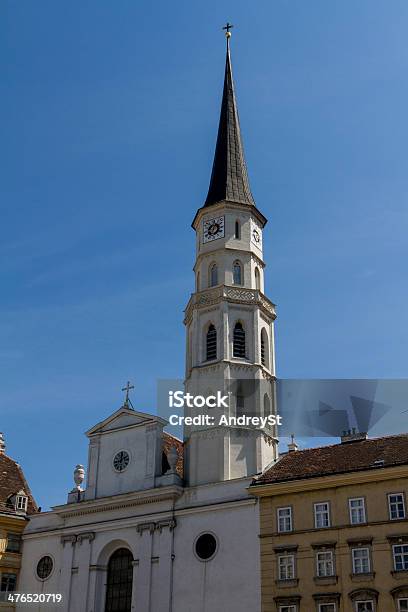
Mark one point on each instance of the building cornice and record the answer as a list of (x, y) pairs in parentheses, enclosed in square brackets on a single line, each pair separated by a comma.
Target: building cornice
[(327, 482), (119, 501)]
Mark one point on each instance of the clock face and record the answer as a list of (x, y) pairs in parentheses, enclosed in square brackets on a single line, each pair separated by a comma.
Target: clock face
[(121, 460), (256, 235), (213, 229)]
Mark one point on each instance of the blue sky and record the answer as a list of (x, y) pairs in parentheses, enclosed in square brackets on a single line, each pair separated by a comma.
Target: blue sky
[(110, 111)]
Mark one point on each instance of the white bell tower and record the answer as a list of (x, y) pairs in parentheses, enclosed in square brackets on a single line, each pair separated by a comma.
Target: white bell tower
[(229, 320)]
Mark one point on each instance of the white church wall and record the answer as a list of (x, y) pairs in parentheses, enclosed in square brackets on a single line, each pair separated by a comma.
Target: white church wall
[(227, 581)]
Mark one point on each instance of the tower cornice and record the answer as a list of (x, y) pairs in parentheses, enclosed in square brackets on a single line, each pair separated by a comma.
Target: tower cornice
[(236, 295), (228, 205)]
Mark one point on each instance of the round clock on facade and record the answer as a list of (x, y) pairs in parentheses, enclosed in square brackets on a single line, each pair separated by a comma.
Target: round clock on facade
[(256, 236), (121, 460), (213, 229)]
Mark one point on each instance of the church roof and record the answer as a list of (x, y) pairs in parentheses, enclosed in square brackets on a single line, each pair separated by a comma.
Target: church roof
[(229, 177), (13, 482), (366, 454)]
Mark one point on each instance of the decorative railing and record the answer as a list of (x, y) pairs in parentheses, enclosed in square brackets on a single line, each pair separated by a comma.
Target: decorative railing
[(240, 295)]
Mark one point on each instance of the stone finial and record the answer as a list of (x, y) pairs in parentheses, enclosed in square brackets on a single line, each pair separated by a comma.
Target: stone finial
[(2, 444), (172, 458), (79, 476), (292, 446)]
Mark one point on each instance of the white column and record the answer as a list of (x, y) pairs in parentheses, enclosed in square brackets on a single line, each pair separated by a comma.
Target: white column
[(68, 543), (83, 559), (165, 533), (142, 573)]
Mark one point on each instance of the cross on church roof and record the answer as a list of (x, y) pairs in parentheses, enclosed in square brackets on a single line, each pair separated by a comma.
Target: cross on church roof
[(127, 389)]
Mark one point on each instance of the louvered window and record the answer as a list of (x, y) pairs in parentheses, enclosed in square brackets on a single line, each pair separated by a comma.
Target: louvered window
[(211, 345), (239, 341)]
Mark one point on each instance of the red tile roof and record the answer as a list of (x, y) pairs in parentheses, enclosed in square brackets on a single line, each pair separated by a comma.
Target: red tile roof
[(338, 459), (12, 481)]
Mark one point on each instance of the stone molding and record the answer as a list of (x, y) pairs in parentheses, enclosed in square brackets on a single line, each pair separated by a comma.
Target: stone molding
[(86, 535), (153, 526), (233, 294), (80, 537)]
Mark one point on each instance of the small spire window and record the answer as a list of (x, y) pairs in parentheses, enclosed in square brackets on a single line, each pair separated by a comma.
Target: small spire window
[(267, 405), (237, 273), (264, 348), (240, 401), (211, 343), (257, 279), (237, 230), (213, 275), (239, 341)]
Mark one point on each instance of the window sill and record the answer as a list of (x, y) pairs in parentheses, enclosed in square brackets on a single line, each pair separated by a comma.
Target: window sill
[(285, 584), (399, 574), (325, 579), (362, 577)]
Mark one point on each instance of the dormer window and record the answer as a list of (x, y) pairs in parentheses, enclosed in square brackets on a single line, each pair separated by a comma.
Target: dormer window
[(21, 502)]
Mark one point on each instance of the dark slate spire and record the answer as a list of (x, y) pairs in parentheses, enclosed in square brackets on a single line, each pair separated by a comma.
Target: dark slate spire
[(229, 177)]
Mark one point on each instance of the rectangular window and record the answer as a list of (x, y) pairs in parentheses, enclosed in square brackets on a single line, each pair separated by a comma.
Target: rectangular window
[(400, 553), (286, 564), (365, 606), (291, 608), (322, 515), (327, 607), (361, 560), (13, 542), (357, 510), (324, 564), (396, 506), (403, 605), (8, 582), (284, 519)]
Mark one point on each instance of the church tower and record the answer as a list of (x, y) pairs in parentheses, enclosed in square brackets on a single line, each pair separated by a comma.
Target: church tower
[(229, 320)]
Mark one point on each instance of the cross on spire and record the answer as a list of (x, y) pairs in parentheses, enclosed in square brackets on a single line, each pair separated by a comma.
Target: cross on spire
[(228, 27), (127, 389)]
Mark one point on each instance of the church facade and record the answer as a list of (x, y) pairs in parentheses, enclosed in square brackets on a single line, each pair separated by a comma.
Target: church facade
[(165, 525)]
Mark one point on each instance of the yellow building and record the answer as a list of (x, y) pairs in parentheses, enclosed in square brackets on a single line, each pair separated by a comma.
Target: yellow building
[(16, 504), (334, 529)]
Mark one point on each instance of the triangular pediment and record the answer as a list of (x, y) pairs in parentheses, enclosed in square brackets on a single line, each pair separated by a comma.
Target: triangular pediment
[(125, 417)]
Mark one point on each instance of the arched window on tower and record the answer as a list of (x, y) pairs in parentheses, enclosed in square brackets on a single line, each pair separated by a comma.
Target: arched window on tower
[(240, 401), (266, 406), (211, 343), (213, 275), (237, 230), (238, 348), (257, 279), (237, 273), (119, 581), (264, 348)]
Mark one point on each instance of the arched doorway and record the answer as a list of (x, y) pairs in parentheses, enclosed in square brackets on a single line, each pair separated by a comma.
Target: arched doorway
[(119, 581)]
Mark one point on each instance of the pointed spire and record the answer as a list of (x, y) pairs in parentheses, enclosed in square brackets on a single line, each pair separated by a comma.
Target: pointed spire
[(229, 177)]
